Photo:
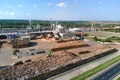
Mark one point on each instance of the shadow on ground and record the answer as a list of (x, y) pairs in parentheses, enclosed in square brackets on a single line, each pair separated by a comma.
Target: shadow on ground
[(31, 44), (1, 43)]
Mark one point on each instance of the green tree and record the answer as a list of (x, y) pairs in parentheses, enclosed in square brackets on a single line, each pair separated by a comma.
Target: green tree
[(15, 51), (49, 53), (95, 38)]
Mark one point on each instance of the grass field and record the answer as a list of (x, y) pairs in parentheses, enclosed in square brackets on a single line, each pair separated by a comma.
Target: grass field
[(96, 69), (118, 78)]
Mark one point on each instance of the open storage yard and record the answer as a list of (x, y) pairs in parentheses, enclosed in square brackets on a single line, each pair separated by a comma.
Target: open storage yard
[(41, 66)]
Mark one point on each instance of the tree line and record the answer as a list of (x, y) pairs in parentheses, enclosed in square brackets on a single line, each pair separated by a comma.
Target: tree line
[(46, 23)]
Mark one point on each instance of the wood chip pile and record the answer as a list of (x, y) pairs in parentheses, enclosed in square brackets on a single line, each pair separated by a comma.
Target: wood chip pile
[(35, 68)]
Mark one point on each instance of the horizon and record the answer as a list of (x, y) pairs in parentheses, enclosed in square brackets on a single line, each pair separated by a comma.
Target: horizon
[(63, 20), (63, 10)]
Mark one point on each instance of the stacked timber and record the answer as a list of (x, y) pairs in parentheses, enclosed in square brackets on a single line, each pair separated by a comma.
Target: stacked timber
[(68, 45), (20, 42), (81, 34), (44, 68), (34, 68)]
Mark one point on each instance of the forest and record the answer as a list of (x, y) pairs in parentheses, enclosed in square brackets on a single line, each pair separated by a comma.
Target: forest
[(46, 23)]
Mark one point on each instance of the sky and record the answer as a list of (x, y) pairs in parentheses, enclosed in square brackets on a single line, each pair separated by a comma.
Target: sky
[(61, 9)]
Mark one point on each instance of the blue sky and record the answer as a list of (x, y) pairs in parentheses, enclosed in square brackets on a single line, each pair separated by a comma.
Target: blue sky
[(60, 9)]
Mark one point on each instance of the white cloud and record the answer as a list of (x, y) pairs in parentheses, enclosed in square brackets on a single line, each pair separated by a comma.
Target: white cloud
[(61, 5), (12, 13), (34, 5), (20, 5), (1, 12), (29, 14), (49, 4), (6, 13)]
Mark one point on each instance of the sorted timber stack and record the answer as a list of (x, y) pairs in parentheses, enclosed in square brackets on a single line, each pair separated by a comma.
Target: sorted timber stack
[(69, 45), (81, 34), (20, 42), (65, 40)]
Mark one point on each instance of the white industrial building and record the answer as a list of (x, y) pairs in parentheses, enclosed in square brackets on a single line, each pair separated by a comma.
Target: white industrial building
[(60, 29), (75, 29)]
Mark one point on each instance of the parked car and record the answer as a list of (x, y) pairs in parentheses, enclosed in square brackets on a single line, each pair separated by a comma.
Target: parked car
[(40, 52)]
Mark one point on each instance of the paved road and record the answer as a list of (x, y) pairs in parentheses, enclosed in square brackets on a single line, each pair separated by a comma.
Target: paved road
[(81, 69), (109, 73)]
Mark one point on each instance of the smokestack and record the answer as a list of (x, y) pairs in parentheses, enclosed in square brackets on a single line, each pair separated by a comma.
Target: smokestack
[(30, 23), (51, 23)]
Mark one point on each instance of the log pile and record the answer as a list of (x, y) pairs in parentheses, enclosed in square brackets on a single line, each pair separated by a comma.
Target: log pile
[(44, 68), (35, 68), (68, 45), (81, 34), (20, 42)]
